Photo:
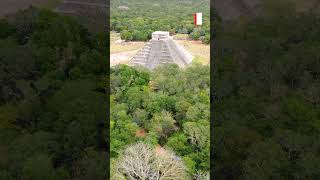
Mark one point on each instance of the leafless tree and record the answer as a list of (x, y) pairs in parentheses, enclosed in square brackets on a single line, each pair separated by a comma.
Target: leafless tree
[(140, 161)]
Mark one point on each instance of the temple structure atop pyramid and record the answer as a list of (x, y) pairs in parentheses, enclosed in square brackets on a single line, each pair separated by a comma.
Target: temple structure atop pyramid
[(161, 49)]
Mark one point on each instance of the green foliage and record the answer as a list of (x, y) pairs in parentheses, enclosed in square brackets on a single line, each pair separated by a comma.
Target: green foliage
[(140, 116), (140, 35), (157, 106), (144, 17), (196, 34), (8, 115), (93, 165), (52, 106), (93, 62), (122, 77), (126, 35), (46, 59), (4, 175), (40, 167), (6, 29), (206, 39), (266, 113), (179, 144), (162, 123), (190, 164), (266, 160), (198, 133), (152, 138), (158, 102)]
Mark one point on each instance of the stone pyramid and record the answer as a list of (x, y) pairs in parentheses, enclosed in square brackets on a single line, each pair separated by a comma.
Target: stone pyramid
[(161, 49)]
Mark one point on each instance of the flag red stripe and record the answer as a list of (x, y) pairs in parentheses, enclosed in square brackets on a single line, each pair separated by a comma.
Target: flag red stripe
[(195, 18)]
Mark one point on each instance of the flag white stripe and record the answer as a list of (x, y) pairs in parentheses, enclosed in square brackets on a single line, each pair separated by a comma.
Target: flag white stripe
[(199, 18)]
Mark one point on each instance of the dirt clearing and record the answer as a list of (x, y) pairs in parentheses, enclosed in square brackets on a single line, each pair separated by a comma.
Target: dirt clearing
[(122, 57), (141, 133), (121, 52)]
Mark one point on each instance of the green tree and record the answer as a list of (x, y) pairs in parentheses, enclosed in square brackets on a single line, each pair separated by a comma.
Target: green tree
[(6, 29), (40, 167), (178, 142), (265, 160), (140, 116), (163, 124), (126, 35), (198, 133)]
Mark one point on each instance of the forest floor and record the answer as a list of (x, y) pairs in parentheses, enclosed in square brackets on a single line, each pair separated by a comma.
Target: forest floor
[(12, 6), (121, 52), (141, 133)]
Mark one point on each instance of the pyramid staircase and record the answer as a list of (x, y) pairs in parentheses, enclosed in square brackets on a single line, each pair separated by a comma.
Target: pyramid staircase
[(159, 52)]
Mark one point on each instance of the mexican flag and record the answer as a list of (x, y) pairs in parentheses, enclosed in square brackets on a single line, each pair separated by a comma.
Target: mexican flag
[(197, 19)]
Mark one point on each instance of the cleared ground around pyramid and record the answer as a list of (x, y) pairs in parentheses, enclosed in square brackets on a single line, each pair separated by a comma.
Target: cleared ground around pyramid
[(121, 52)]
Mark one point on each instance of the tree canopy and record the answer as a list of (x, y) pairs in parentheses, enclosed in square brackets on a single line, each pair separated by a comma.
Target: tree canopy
[(266, 89), (136, 20), (166, 108), (52, 101)]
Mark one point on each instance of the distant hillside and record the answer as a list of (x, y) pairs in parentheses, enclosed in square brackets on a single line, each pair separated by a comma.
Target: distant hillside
[(136, 20), (231, 9), (12, 6), (91, 13), (162, 7)]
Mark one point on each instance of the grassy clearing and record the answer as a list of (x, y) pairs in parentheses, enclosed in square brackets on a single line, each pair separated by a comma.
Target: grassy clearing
[(201, 52), (119, 47), (181, 36)]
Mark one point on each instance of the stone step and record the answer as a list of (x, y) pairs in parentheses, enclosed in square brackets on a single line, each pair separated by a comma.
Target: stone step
[(139, 60), (165, 57), (165, 60), (142, 55), (144, 51)]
